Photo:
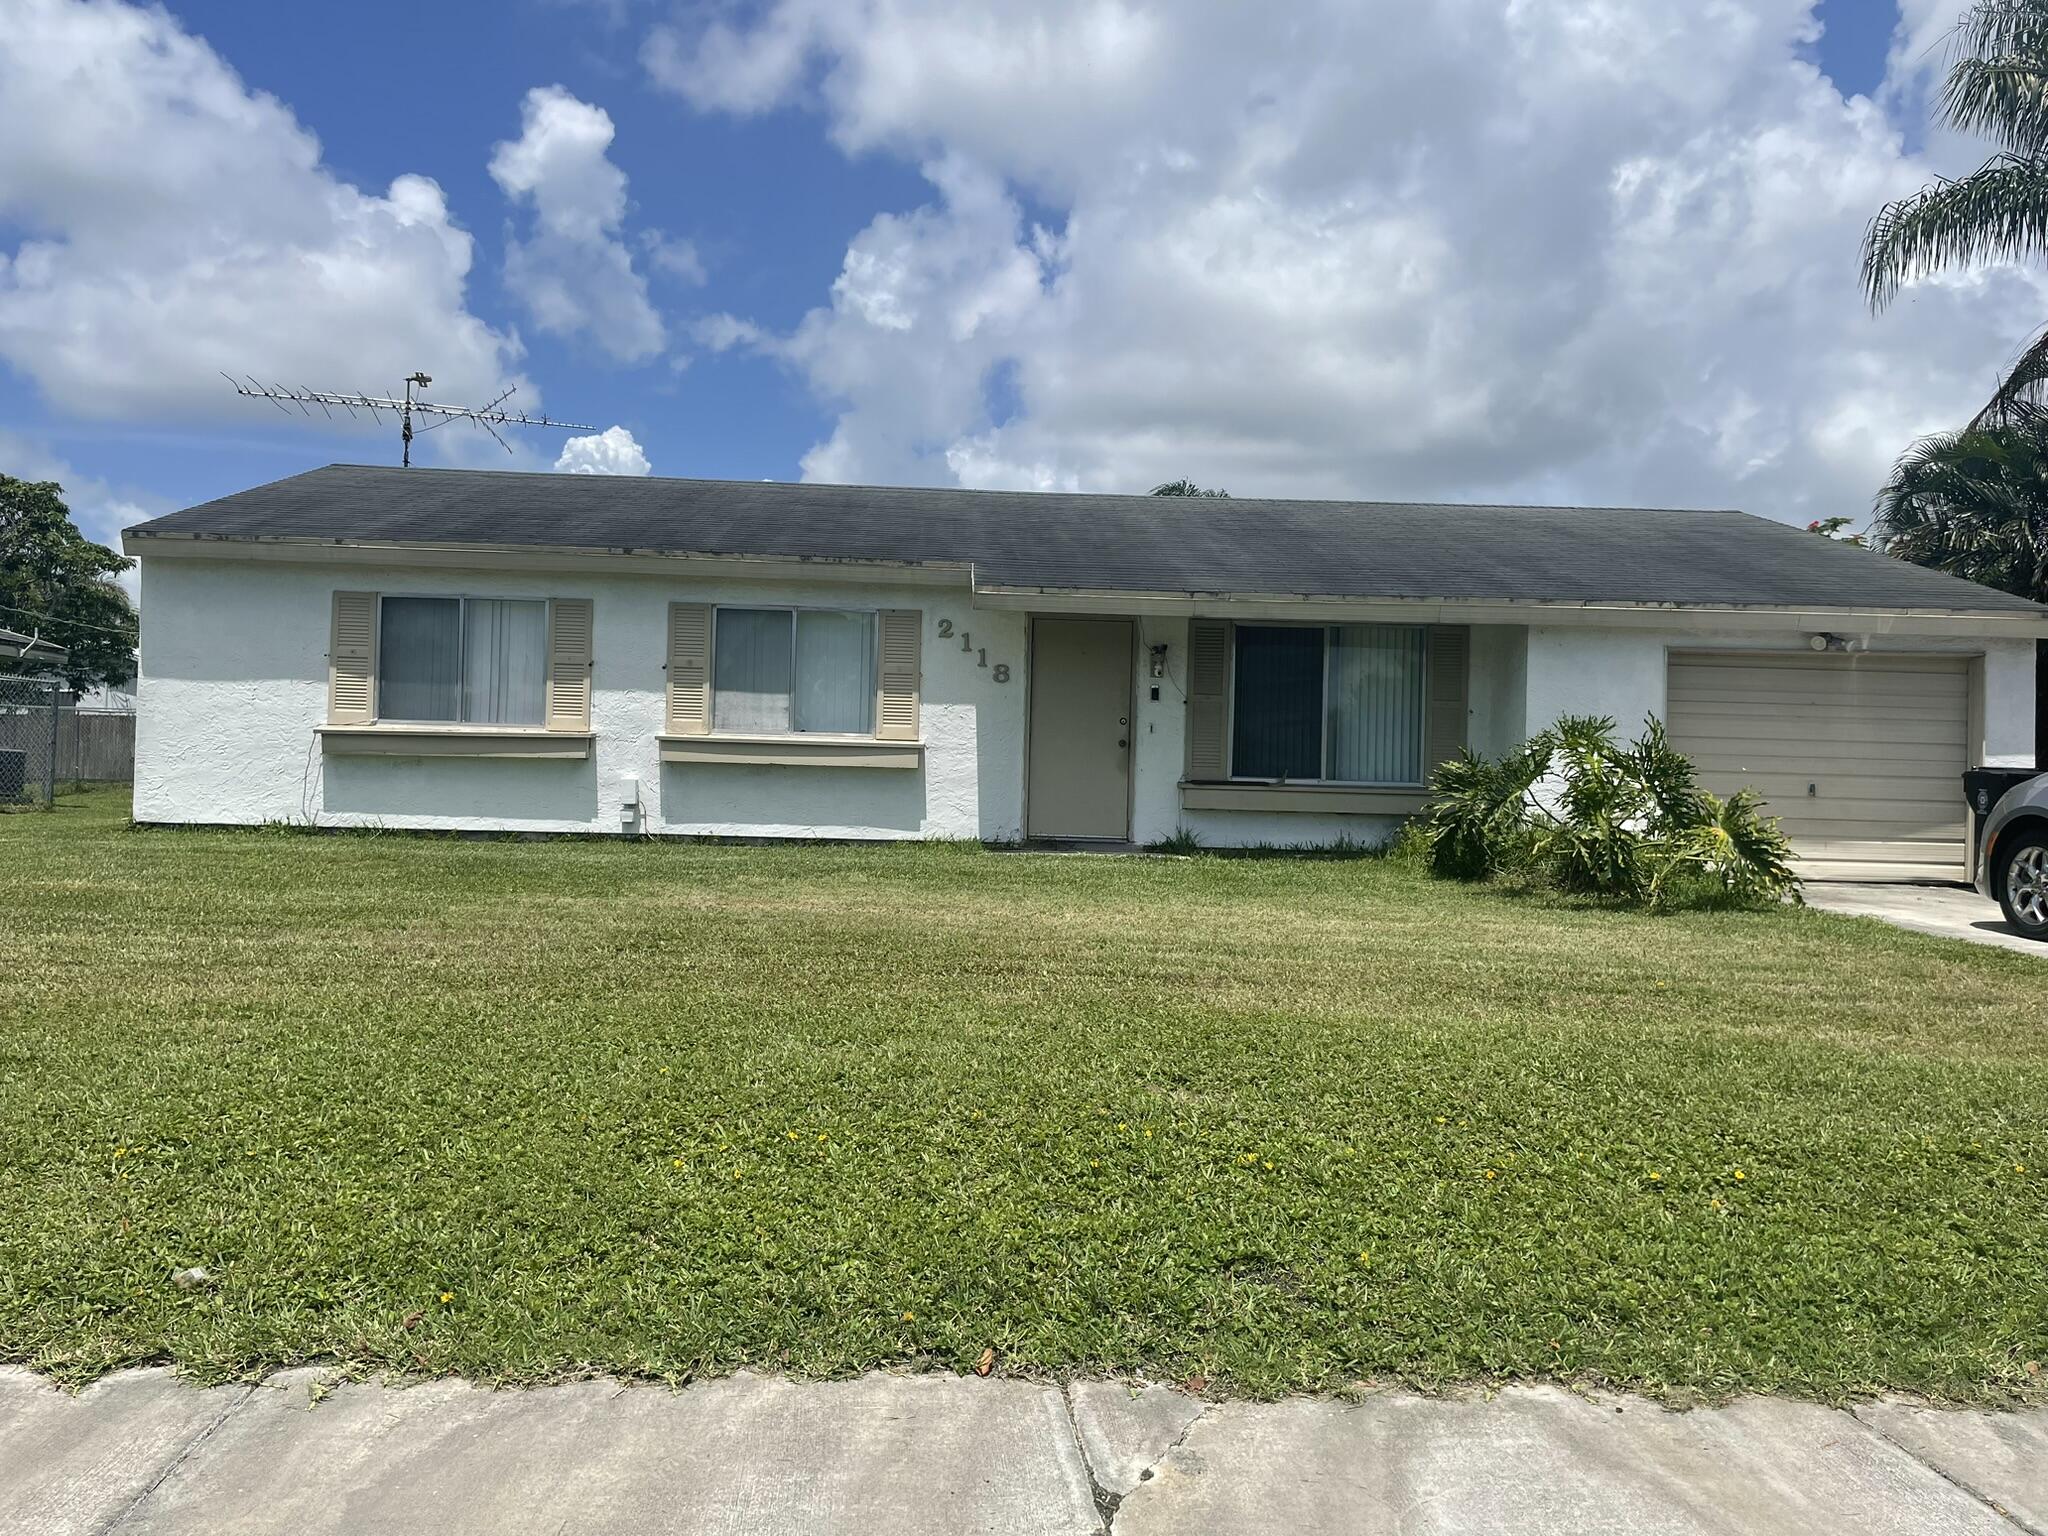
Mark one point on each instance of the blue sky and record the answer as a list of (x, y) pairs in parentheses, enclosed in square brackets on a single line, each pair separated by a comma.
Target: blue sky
[(999, 246)]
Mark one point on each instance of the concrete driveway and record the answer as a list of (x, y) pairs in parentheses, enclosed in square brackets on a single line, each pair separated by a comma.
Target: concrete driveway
[(1946, 911)]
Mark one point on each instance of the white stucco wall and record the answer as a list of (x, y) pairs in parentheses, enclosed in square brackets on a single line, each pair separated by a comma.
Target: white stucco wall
[(234, 683)]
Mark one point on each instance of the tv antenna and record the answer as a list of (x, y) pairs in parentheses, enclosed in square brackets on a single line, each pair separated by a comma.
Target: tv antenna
[(489, 417)]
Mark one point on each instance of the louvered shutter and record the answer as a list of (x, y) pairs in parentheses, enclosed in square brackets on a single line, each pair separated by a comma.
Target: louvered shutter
[(569, 659), (902, 631), (1443, 725), (352, 660), (1208, 692), (689, 669)]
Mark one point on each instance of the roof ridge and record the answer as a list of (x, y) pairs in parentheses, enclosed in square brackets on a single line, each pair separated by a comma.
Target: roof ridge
[(968, 490)]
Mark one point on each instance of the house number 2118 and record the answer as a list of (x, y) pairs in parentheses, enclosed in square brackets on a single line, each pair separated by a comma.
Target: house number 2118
[(1000, 671)]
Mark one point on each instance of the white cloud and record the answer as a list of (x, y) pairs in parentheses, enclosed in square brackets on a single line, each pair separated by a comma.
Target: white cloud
[(610, 452), (1559, 249), (573, 273), (180, 225), (678, 257)]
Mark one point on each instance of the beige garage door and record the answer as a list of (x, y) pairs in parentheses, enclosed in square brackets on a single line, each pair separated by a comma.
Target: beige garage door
[(1860, 757)]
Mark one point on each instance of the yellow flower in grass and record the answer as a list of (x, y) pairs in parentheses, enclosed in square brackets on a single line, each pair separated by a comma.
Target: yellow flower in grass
[(447, 1296), (910, 1317), (1738, 1175), (1654, 1175)]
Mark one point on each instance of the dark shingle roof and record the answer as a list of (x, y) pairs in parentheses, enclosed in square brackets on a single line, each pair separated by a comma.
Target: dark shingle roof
[(1067, 542)]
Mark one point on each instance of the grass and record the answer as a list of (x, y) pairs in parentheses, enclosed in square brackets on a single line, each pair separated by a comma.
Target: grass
[(526, 1110)]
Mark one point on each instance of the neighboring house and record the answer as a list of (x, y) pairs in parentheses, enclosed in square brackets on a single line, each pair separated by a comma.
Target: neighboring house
[(458, 649), (14, 646)]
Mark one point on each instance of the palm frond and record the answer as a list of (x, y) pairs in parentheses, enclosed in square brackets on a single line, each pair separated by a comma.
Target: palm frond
[(2018, 399), (1998, 212)]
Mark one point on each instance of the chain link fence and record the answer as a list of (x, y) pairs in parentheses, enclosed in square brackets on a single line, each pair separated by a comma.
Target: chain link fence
[(47, 743)]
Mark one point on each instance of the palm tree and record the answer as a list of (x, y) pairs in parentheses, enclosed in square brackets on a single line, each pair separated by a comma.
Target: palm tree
[(1975, 504), (1997, 87), (1185, 488)]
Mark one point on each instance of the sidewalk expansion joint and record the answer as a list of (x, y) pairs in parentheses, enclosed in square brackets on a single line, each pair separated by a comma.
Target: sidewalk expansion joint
[(1948, 1477), (1105, 1502), (248, 1391)]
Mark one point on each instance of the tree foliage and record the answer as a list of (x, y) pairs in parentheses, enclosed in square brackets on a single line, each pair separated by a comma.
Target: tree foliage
[(57, 584), (1589, 814), (1185, 488), (1975, 504), (1996, 88)]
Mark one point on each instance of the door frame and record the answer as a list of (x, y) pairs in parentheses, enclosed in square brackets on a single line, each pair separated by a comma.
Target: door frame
[(1130, 624)]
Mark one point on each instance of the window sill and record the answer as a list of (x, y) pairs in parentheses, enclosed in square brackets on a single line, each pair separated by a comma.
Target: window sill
[(1335, 798), (793, 751), (452, 741)]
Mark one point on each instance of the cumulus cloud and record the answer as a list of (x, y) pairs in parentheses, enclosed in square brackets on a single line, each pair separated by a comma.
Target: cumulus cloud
[(1488, 248), (179, 225), (573, 272), (610, 452)]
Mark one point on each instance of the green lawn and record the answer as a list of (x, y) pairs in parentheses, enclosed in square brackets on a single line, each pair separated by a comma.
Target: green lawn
[(518, 1110)]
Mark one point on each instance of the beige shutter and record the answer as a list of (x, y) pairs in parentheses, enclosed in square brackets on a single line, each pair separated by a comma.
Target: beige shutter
[(1208, 691), (902, 631), (1443, 715), (352, 660), (689, 669), (569, 659)]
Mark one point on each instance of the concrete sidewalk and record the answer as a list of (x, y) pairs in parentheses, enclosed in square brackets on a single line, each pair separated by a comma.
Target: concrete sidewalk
[(140, 1452)]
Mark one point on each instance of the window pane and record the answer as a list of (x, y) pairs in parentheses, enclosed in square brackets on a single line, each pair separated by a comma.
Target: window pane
[(419, 659), (1277, 710), (1376, 704), (751, 670), (835, 672), (504, 661)]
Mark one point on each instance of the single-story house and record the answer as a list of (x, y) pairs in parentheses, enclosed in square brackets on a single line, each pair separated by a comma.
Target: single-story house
[(496, 651)]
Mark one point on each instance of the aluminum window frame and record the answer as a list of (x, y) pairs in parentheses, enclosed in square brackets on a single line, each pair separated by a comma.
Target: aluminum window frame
[(874, 618), (464, 599), (1232, 776)]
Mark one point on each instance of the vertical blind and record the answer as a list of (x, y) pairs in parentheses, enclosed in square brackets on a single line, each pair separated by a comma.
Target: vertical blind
[(419, 659), (1375, 731), (1341, 703), (776, 670), (751, 668), (504, 661), (477, 660), (835, 672)]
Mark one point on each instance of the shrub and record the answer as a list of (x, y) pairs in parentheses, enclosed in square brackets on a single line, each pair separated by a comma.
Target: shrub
[(1603, 818)]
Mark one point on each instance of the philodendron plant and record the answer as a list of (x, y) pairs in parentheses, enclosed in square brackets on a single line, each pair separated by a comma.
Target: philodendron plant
[(1574, 805)]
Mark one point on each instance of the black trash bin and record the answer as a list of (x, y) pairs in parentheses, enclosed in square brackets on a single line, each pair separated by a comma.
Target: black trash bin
[(1983, 788)]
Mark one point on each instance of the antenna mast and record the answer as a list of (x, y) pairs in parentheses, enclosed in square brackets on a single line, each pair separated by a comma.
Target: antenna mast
[(489, 417)]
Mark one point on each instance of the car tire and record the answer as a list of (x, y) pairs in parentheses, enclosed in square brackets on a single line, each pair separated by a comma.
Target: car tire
[(2023, 882)]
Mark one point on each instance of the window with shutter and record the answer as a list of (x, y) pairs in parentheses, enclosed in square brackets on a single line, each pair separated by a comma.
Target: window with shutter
[(570, 622), (689, 669), (896, 708), (352, 660), (1208, 699)]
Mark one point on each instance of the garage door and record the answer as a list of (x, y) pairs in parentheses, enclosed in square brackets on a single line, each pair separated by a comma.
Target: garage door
[(1860, 757)]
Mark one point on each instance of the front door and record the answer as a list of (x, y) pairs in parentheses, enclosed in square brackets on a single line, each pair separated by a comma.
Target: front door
[(1080, 760)]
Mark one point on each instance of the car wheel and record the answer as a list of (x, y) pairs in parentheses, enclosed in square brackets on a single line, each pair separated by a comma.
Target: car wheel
[(2023, 883)]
